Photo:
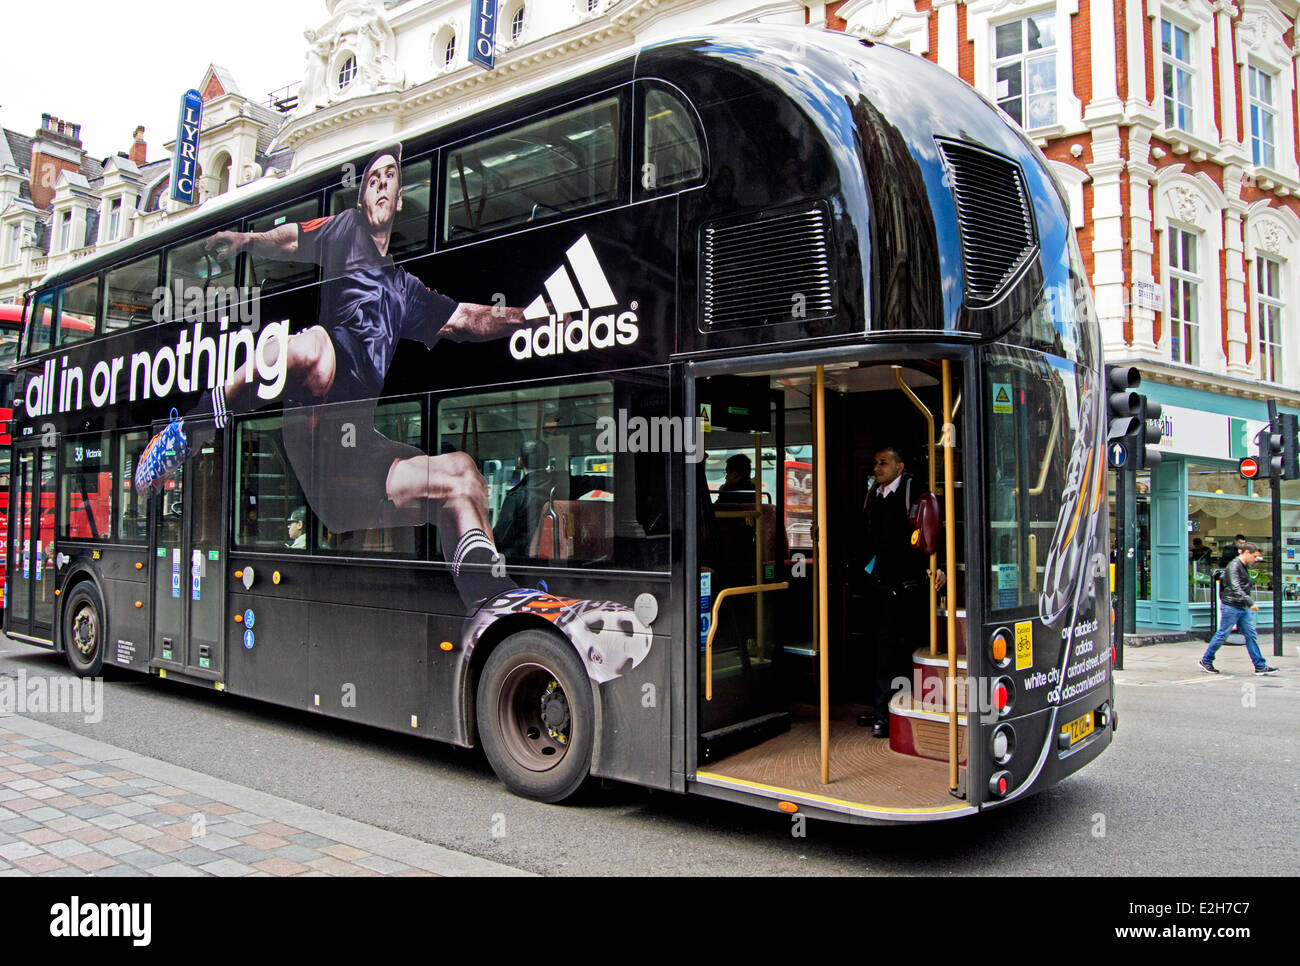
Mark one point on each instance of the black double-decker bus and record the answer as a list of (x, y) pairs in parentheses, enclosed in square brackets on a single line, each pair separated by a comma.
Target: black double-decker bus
[(434, 440)]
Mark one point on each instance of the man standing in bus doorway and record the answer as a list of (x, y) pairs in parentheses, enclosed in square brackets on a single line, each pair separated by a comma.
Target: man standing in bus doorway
[(1237, 606), (896, 578), (354, 477)]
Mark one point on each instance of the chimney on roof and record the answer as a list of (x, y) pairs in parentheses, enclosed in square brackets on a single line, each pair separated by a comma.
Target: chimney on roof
[(56, 146), (137, 152)]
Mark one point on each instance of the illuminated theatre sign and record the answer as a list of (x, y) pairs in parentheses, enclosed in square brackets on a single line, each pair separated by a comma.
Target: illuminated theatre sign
[(185, 160)]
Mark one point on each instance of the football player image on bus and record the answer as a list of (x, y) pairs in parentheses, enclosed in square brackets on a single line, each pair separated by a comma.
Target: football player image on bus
[(354, 477)]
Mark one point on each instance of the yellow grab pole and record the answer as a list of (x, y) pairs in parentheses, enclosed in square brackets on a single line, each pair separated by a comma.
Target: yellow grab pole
[(758, 542), (934, 557), (823, 663), (950, 565)]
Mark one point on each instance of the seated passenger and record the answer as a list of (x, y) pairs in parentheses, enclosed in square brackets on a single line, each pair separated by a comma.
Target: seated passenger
[(738, 487)]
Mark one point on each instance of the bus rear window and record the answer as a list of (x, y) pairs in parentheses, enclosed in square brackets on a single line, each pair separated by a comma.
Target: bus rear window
[(544, 169), (671, 153)]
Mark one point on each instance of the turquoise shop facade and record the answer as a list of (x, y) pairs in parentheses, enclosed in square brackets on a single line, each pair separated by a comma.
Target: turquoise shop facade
[(1205, 434)]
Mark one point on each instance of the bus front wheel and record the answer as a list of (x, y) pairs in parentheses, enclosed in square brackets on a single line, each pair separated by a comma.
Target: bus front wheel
[(536, 716), (84, 631)]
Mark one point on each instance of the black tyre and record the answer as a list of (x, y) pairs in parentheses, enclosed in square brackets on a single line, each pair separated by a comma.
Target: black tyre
[(536, 717), (84, 630)]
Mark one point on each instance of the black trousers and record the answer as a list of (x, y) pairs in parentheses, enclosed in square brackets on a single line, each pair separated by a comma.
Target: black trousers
[(896, 622)]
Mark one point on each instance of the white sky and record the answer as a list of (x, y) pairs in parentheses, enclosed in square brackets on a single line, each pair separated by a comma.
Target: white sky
[(111, 66)]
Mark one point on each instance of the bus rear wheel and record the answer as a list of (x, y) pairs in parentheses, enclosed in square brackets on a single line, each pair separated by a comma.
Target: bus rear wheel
[(536, 716), (84, 630)]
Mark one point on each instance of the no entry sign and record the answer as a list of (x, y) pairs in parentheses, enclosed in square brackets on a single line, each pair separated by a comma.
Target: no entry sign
[(1248, 467)]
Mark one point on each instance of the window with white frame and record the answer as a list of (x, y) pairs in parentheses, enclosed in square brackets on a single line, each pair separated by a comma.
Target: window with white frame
[(347, 71), (1263, 118), (449, 52), (1178, 75), (1024, 69), (1184, 294), (1268, 309), (11, 246), (517, 24), (65, 230), (114, 218)]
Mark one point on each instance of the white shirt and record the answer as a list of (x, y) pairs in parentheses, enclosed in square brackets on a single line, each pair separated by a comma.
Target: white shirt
[(889, 488)]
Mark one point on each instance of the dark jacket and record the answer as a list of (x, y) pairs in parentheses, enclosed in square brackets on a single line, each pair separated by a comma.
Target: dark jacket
[(885, 534), (520, 513), (1236, 584)]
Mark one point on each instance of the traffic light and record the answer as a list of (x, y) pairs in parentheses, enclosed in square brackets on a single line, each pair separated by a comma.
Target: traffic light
[(1123, 401), (1289, 429), (1270, 451), (1147, 453)]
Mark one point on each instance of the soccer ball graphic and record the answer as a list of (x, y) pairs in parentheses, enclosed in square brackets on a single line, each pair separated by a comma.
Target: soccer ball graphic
[(608, 635)]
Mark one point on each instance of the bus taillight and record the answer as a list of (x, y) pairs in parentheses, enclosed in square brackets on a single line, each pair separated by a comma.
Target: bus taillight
[(1004, 695), (1000, 784)]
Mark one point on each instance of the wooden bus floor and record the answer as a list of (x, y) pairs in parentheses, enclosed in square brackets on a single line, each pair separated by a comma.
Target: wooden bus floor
[(863, 769)]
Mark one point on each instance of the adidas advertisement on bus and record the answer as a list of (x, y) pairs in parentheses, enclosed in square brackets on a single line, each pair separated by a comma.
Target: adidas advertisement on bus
[(380, 330)]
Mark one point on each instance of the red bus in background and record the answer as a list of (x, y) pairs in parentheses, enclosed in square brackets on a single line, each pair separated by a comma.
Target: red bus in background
[(11, 329)]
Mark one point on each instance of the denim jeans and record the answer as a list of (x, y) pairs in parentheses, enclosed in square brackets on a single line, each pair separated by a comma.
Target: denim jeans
[(1244, 618)]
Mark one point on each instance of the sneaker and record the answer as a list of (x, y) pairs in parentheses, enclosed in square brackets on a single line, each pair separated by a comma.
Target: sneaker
[(162, 457), (1265, 670), (1209, 668)]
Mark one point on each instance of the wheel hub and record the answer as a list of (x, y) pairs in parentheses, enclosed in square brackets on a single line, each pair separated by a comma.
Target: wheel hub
[(555, 712), (83, 632)]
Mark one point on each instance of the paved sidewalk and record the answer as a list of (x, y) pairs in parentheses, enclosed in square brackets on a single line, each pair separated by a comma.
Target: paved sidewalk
[(73, 806), (1178, 663)]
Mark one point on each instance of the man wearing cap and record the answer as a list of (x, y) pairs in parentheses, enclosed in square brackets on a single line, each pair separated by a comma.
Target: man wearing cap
[(355, 478), (297, 529)]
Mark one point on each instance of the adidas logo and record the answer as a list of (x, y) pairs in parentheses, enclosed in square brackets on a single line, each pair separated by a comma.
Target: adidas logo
[(581, 330)]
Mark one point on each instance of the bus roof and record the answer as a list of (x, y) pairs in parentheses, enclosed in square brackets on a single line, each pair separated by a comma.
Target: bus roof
[(243, 198)]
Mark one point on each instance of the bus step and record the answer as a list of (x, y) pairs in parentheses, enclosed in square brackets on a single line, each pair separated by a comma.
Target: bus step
[(726, 741)]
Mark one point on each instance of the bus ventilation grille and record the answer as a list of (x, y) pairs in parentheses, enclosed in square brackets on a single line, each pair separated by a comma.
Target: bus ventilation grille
[(775, 269), (993, 217)]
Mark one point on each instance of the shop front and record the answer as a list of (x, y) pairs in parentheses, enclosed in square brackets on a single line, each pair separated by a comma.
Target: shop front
[(1193, 506)]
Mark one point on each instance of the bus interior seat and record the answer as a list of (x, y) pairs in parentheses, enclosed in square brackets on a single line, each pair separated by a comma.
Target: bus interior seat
[(574, 529)]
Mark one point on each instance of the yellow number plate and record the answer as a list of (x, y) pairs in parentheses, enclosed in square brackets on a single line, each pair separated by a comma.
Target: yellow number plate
[(1080, 728)]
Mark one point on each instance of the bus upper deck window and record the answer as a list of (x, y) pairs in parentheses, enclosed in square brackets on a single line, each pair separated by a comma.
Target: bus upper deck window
[(130, 294), (40, 322), (275, 274), (78, 312), (671, 153), (195, 267), (561, 164), (411, 227)]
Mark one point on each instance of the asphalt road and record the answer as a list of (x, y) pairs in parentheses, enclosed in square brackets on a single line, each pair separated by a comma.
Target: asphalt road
[(1202, 779)]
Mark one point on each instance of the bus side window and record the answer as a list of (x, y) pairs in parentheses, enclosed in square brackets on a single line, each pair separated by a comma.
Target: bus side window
[(671, 155), (536, 172), (267, 492), (78, 312), (200, 273), (276, 274), (130, 297), (411, 227), (132, 511), (87, 488), (40, 322)]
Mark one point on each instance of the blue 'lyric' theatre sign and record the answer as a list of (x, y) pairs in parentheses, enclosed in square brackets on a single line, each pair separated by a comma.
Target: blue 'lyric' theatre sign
[(185, 161)]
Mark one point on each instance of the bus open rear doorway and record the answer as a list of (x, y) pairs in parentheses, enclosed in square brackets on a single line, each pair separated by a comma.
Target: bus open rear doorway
[(786, 658)]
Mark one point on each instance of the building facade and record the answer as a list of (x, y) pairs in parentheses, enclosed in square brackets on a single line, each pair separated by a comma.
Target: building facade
[(1170, 124), (58, 205)]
